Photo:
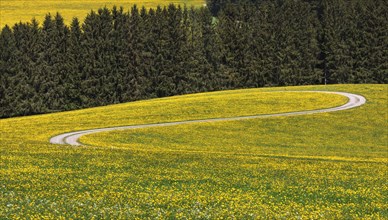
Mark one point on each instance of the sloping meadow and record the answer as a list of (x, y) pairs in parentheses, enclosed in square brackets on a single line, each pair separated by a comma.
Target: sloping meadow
[(330, 165), (14, 11)]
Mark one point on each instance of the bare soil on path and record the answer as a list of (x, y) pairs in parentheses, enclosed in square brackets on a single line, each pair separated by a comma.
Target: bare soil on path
[(72, 138)]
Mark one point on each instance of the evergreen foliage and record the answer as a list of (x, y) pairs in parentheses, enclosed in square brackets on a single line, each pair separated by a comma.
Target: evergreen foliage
[(117, 56)]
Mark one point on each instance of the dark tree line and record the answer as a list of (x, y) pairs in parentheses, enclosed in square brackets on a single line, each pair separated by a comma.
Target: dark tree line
[(118, 56)]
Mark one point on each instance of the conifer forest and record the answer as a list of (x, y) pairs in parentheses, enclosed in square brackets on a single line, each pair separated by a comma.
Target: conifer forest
[(116, 55)]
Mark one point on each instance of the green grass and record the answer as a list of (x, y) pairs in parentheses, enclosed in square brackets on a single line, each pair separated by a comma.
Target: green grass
[(330, 165), (13, 11)]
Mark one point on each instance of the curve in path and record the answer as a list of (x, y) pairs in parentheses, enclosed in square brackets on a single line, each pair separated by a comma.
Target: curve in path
[(71, 138)]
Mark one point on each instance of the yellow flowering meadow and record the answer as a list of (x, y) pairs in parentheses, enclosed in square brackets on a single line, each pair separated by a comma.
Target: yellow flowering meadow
[(14, 11), (321, 166)]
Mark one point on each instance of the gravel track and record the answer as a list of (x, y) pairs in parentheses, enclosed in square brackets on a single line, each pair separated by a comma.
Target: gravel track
[(71, 138)]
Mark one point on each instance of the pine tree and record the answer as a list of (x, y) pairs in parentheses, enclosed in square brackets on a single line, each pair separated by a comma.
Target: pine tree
[(7, 72), (193, 67), (297, 48), (240, 60), (368, 51), (119, 38), (162, 23), (265, 44), (229, 29), (53, 66), (337, 23), (135, 79), (98, 58), (212, 51), (27, 40), (75, 55)]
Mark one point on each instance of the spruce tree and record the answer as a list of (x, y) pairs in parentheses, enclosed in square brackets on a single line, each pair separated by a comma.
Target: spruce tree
[(7, 72), (136, 70), (119, 38), (98, 58), (75, 55), (336, 21), (296, 56), (28, 51)]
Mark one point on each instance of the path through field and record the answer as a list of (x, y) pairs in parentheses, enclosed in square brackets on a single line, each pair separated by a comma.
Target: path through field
[(72, 138)]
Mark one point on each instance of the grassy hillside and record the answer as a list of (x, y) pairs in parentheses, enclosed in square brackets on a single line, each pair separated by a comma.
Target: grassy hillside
[(13, 11), (330, 165)]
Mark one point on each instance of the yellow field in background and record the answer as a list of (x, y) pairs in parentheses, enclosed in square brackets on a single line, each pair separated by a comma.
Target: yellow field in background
[(14, 11)]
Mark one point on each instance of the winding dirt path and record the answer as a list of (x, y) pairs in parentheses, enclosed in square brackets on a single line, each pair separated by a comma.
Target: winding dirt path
[(72, 138)]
